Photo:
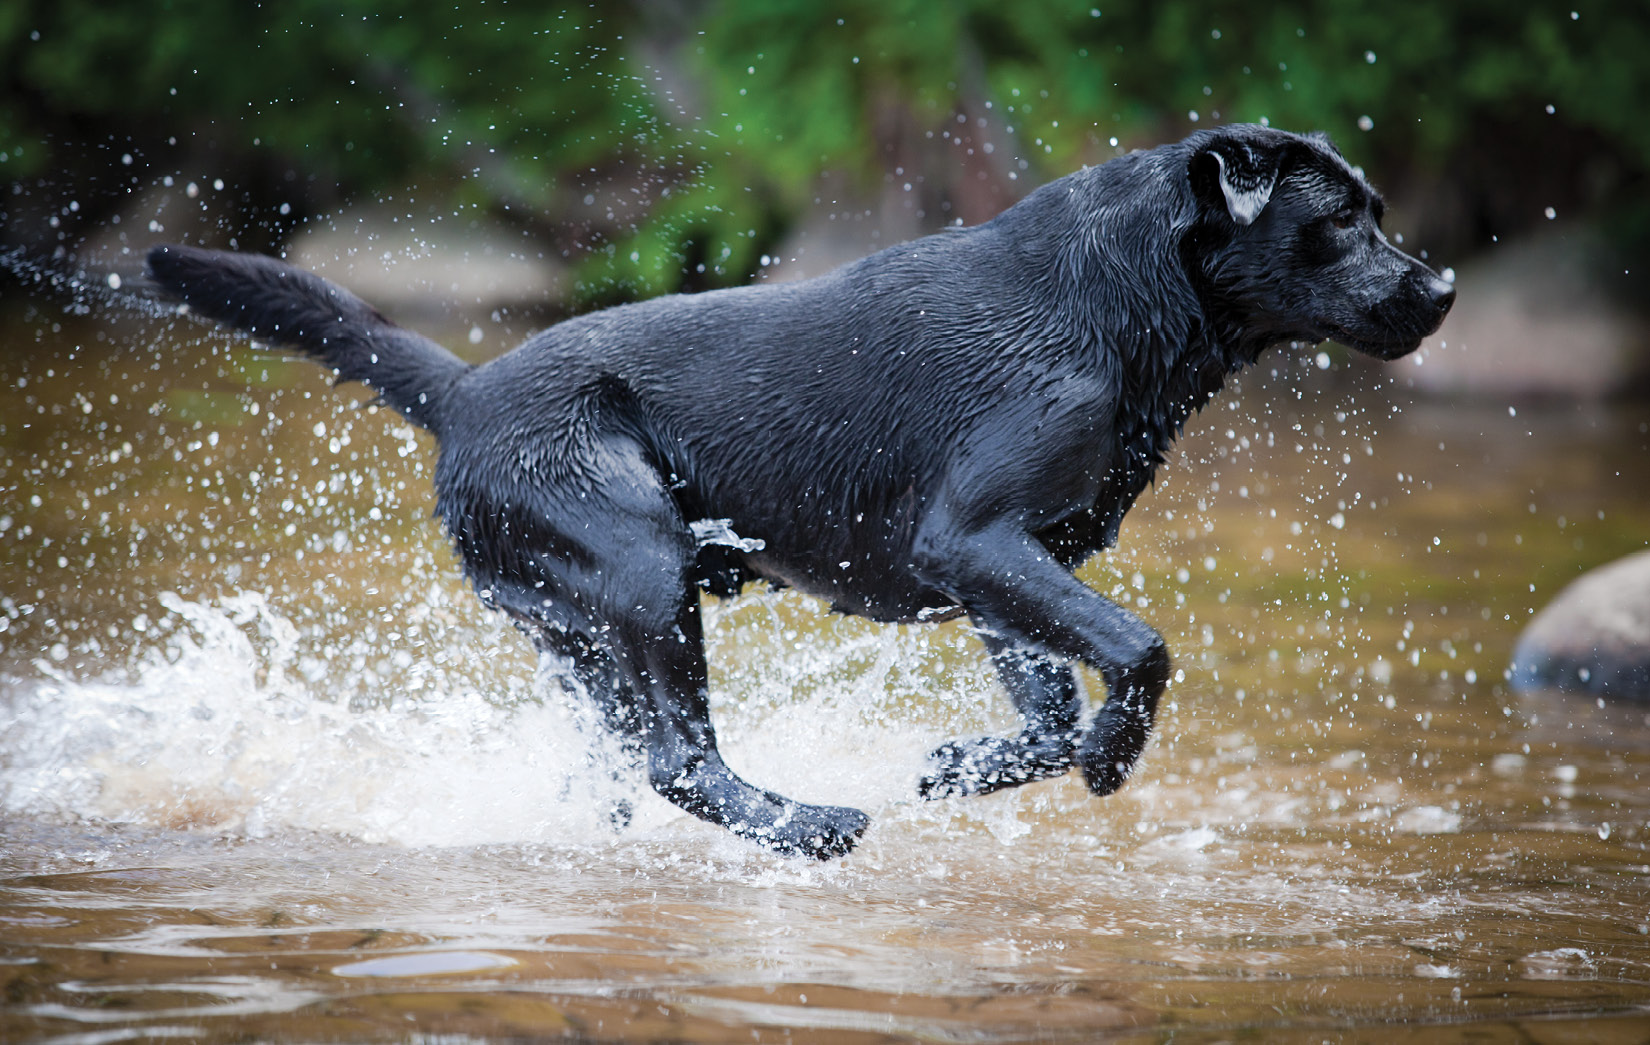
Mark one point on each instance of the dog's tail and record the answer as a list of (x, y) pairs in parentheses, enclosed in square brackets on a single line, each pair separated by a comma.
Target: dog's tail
[(281, 305)]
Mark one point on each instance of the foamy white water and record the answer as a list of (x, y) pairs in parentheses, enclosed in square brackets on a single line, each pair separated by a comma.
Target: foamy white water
[(216, 730), (223, 728)]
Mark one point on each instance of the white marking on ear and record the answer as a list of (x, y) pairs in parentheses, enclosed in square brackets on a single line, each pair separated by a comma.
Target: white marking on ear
[(1246, 196)]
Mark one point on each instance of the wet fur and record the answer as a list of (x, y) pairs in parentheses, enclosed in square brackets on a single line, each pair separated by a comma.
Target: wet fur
[(949, 426)]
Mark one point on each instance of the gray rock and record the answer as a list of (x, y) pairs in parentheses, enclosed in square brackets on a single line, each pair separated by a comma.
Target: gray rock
[(1556, 315), (185, 211), (421, 266), (1594, 637), (415, 264)]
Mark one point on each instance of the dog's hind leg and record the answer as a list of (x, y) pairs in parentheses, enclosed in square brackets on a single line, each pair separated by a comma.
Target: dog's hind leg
[(612, 555), (588, 673), (1044, 691), (684, 764), (587, 666)]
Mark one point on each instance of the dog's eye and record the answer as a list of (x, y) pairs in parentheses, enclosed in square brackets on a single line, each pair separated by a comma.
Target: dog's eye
[(1344, 219)]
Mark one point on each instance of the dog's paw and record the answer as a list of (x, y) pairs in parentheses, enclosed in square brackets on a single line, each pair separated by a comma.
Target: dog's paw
[(961, 767), (1110, 751), (1103, 777), (819, 832), (1103, 771), (986, 764)]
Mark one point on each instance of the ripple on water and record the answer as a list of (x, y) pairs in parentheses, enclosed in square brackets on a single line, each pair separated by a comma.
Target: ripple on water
[(427, 963), (1337, 821)]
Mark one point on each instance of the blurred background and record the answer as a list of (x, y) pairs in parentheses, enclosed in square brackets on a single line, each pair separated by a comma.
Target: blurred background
[(254, 728), (549, 158)]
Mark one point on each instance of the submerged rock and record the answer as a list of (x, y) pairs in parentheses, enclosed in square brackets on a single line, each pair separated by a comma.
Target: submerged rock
[(1594, 637)]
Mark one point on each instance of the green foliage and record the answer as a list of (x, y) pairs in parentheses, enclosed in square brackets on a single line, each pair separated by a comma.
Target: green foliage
[(719, 118), (1419, 71), (360, 93)]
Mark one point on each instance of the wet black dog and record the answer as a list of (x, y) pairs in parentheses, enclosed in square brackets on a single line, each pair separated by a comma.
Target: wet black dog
[(949, 426)]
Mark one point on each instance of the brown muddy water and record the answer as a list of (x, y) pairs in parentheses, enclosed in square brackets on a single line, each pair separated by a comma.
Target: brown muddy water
[(268, 772)]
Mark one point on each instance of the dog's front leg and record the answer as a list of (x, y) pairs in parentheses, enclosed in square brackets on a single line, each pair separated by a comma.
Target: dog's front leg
[(1011, 585), (684, 765), (1044, 692)]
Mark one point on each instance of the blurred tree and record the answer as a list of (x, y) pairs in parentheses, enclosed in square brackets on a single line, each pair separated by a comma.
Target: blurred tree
[(664, 145)]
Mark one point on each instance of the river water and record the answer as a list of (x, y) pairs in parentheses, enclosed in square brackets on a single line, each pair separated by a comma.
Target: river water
[(268, 771)]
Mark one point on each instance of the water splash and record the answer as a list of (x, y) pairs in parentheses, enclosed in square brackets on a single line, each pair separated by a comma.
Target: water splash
[(84, 289), (225, 726), (219, 730)]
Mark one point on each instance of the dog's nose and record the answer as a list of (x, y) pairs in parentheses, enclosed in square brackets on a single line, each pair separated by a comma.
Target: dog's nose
[(1441, 292)]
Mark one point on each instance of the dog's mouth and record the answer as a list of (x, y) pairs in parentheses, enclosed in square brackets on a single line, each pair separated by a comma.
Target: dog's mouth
[(1394, 326), (1392, 333), (1385, 349)]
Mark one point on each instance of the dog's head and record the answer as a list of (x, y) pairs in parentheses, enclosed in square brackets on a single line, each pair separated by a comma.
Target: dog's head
[(1288, 247)]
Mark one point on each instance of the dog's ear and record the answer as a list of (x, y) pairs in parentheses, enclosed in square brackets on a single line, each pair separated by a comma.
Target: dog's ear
[(1236, 174)]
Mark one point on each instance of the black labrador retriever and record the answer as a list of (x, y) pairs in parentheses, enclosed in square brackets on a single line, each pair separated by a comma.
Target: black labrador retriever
[(949, 426)]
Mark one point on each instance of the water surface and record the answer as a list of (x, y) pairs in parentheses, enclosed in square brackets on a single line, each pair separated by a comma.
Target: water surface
[(267, 770)]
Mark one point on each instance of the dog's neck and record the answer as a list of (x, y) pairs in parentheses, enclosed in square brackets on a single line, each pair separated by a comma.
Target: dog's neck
[(1115, 248), (1172, 360), (1168, 382)]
